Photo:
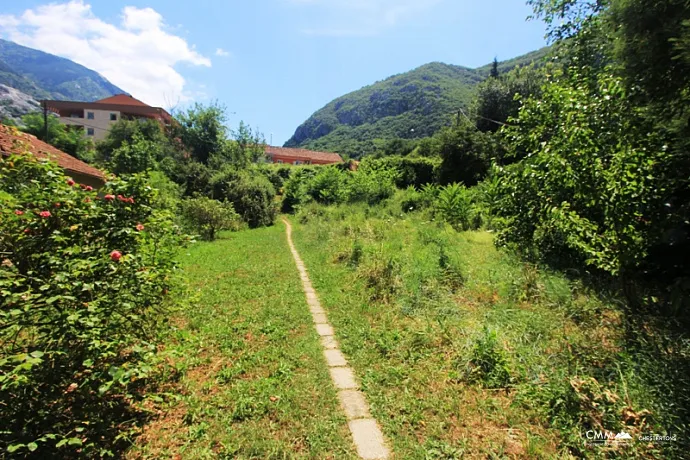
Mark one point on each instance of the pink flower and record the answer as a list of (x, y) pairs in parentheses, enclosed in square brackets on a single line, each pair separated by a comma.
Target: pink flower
[(19, 213), (109, 197), (89, 188), (70, 182), (115, 256), (140, 227), (26, 230), (121, 198), (44, 214), (57, 205), (130, 199)]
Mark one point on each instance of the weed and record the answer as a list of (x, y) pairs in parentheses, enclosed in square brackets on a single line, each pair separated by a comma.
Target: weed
[(488, 363)]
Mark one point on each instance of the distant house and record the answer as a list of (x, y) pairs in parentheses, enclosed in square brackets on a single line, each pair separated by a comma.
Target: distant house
[(301, 156), (95, 118), (14, 141)]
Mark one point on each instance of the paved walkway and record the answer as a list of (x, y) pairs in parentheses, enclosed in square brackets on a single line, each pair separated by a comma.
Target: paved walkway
[(366, 433)]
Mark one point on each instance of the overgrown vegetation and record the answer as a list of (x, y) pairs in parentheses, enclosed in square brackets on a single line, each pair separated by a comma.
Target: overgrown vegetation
[(462, 346)]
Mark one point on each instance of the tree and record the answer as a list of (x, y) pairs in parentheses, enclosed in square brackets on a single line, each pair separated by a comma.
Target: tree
[(125, 131), (465, 153), (135, 156), (203, 132), (494, 68), (68, 140), (499, 99)]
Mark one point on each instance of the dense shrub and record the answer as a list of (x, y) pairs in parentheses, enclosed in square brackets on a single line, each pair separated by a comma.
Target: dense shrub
[(251, 194), (276, 173), (295, 188), (82, 277), (207, 217), (413, 172), (592, 191)]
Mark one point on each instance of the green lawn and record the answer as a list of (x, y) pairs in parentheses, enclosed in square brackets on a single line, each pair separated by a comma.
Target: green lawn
[(245, 361)]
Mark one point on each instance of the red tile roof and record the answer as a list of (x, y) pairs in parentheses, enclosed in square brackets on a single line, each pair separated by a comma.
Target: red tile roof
[(14, 141), (122, 99), (303, 154)]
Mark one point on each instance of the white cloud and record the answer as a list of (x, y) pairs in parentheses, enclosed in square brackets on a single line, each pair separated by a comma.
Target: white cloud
[(138, 55), (222, 53), (361, 17)]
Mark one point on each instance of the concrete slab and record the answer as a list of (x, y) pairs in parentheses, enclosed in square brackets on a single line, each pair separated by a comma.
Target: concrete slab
[(320, 318), (334, 358), (324, 329), (343, 378), (329, 342), (354, 404), (368, 439)]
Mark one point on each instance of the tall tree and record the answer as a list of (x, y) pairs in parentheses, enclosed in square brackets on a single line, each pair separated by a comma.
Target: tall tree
[(494, 68)]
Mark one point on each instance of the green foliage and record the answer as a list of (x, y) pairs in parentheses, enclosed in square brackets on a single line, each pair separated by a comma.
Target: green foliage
[(135, 156), (465, 153), (488, 363), (453, 206), (250, 192), (71, 141), (83, 277), (126, 132), (202, 130), (332, 185), (207, 217), (499, 99), (593, 186), (411, 172)]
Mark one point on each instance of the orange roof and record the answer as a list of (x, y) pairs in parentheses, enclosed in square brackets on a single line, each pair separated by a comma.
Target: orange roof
[(14, 141), (122, 99), (303, 154)]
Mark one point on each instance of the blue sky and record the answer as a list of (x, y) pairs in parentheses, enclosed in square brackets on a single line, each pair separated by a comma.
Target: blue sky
[(271, 62)]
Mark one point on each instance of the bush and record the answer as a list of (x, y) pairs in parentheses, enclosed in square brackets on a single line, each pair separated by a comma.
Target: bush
[(207, 217), (371, 185), (295, 188), (83, 276), (251, 194), (411, 172), (277, 174), (453, 206)]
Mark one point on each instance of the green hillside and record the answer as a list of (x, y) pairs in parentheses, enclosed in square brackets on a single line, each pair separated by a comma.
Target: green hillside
[(411, 105), (42, 75)]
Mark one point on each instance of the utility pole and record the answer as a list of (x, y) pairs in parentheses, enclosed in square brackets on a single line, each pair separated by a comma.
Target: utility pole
[(45, 121)]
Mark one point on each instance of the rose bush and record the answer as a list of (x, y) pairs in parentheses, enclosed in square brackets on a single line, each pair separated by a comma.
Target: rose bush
[(82, 290)]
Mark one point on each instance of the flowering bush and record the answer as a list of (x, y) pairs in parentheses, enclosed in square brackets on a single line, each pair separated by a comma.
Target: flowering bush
[(82, 280)]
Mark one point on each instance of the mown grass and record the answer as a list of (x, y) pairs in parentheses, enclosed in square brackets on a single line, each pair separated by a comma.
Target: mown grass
[(465, 351), (244, 369)]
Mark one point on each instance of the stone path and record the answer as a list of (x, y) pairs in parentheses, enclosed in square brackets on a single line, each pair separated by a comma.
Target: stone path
[(366, 433)]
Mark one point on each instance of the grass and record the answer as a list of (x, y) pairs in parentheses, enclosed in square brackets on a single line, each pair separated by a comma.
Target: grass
[(246, 375), (465, 351)]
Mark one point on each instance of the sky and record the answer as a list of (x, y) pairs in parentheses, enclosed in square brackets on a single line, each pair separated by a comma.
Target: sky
[(271, 63)]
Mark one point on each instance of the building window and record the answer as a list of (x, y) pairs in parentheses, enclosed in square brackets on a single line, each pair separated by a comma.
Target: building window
[(90, 131), (113, 117), (297, 162), (89, 115), (279, 161)]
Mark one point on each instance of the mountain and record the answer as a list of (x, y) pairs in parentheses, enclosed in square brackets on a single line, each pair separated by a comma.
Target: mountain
[(40, 75), (410, 105)]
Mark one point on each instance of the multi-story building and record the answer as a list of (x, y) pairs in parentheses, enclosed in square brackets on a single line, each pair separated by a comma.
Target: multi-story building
[(95, 118)]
